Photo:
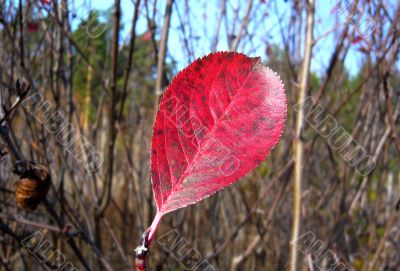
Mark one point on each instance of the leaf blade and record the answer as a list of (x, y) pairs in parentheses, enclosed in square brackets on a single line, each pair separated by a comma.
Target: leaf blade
[(197, 146)]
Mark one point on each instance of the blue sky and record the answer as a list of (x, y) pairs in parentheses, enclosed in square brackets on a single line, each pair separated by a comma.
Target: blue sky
[(204, 15)]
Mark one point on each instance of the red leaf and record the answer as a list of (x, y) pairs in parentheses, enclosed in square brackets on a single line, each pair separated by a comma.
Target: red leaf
[(146, 36), (217, 121), (357, 40), (33, 27)]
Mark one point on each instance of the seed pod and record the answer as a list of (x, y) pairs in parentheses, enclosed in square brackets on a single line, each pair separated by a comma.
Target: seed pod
[(32, 187)]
